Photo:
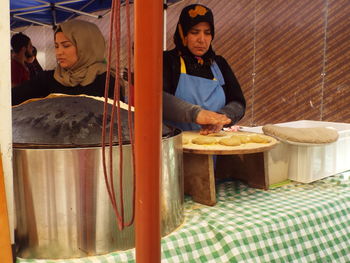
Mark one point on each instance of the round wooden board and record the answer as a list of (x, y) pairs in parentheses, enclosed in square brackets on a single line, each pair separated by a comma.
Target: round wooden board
[(223, 149)]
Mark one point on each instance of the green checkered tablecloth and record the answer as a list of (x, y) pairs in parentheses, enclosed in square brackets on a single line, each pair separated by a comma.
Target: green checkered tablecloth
[(292, 223)]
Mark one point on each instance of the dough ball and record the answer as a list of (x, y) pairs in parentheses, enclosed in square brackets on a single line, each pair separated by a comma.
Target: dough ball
[(243, 138), (185, 140), (258, 139), (202, 140), (232, 141)]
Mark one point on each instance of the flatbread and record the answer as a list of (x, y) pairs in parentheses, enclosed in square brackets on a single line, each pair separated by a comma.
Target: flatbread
[(316, 135), (55, 95)]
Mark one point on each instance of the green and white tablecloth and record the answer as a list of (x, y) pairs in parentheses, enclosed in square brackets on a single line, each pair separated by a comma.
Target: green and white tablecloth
[(292, 223)]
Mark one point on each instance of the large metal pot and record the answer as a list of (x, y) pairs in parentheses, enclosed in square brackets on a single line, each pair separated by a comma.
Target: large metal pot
[(62, 205)]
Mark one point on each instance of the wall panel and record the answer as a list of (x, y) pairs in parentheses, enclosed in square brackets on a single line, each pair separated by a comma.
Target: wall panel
[(336, 106), (289, 60)]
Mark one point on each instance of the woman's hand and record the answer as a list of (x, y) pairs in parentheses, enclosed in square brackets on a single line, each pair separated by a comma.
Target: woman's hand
[(207, 129), (211, 122)]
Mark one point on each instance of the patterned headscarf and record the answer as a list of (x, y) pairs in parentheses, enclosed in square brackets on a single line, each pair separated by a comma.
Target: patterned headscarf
[(90, 44), (190, 16)]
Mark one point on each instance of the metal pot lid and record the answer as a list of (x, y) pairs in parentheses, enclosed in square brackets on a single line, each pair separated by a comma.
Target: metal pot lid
[(66, 121)]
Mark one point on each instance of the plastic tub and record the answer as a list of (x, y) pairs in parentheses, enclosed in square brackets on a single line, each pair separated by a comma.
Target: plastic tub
[(307, 163)]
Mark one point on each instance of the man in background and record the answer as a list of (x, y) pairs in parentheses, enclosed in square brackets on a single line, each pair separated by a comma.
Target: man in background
[(22, 48), (33, 64)]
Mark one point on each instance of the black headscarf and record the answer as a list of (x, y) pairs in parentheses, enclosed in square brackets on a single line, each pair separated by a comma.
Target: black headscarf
[(190, 16)]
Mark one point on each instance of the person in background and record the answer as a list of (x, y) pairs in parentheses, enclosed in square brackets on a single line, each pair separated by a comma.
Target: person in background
[(33, 64), (81, 66), (203, 83), (21, 48)]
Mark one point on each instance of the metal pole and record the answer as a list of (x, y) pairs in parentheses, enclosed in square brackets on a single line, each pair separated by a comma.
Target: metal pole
[(148, 115)]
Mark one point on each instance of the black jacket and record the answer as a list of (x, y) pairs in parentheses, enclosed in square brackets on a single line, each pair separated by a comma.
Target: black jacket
[(45, 83)]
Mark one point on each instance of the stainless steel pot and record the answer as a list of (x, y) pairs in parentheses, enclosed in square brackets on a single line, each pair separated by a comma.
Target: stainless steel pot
[(63, 209)]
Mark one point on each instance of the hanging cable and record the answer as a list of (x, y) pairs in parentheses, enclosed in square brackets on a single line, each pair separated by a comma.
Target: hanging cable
[(116, 102), (130, 92), (105, 113), (115, 33)]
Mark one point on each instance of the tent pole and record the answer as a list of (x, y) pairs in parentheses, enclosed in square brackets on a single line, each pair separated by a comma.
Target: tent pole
[(148, 115)]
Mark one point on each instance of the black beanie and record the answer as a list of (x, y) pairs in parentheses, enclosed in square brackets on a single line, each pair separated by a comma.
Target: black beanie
[(190, 16), (18, 41)]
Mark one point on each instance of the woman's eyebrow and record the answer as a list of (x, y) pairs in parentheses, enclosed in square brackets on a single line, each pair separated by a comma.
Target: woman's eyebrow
[(63, 42)]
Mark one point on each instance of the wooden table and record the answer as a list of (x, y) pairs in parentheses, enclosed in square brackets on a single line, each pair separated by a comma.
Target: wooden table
[(244, 162)]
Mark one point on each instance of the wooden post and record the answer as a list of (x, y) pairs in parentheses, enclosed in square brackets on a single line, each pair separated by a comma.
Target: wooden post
[(199, 178), (148, 128), (5, 239)]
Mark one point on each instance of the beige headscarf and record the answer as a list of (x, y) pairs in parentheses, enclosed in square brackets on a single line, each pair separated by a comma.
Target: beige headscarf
[(90, 44)]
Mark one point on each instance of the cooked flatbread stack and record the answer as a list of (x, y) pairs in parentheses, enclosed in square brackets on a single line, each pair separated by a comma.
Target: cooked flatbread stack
[(316, 135)]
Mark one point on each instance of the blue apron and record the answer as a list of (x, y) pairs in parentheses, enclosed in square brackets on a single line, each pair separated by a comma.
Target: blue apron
[(207, 93)]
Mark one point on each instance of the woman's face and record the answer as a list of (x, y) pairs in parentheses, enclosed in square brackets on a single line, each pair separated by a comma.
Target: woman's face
[(66, 52), (198, 39)]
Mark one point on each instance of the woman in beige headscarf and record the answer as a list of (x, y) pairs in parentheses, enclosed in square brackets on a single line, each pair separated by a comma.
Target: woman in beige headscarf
[(81, 69)]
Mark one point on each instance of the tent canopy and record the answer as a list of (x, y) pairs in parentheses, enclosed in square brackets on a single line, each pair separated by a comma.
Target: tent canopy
[(52, 12)]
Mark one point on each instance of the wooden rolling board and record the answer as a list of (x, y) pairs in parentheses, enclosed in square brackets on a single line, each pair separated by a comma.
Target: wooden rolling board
[(219, 149)]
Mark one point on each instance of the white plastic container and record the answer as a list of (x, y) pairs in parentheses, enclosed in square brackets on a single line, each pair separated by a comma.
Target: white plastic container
[(307, 163)]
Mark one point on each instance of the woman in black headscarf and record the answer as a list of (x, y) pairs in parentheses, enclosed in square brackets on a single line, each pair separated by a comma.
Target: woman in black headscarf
[(202, 81)]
